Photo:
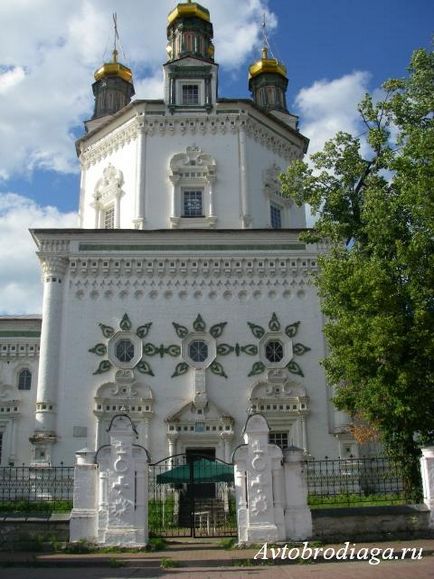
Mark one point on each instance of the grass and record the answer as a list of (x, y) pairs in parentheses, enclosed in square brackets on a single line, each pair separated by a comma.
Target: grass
[(40, 507), (168, 563), (228, 543), (157, 544), (161, 514), (354, 500)]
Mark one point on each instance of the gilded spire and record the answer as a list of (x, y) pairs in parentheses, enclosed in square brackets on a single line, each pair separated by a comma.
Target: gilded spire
[(266, 63), (268, 80), (113, 87), (114, 68)]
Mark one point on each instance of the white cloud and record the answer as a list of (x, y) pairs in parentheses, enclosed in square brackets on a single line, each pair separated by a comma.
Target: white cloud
[(20, 285), (11, 78), (151, 87), (50, 50), (329, 106)]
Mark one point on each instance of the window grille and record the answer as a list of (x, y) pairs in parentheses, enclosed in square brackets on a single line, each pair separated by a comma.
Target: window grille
[(193, 204), (198, 351), (274, 351), (190, 94), (276, 216), (279, 438), (125, 350), (24, 380)]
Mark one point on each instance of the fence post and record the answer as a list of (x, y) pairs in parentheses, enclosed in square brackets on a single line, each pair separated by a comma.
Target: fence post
[(427, 470), (84, 515), (254, 463), (298, 518), (123, 512)]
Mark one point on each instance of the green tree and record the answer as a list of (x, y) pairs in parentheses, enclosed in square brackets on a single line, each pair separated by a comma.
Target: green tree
[(376, 280)]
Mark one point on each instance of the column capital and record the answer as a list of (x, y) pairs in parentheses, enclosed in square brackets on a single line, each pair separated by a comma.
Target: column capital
[(172, 436), (53, 264)]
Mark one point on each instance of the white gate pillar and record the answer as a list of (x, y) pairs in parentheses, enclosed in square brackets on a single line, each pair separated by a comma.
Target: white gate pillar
[(427, 470), (84, 515), (298, 518), (259, 505), (123, 512)]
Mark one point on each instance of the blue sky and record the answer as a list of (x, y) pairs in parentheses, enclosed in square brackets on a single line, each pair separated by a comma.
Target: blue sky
[(334, 51)]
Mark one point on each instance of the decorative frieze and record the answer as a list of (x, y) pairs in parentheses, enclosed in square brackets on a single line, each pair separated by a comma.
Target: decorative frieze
[(236, 290), (19, 349), (170, 125), (202, 267)]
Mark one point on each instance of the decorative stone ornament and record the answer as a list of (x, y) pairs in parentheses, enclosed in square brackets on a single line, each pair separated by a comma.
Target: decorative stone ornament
[(123, 484), (258, 485), (276, 348), (125, 348)]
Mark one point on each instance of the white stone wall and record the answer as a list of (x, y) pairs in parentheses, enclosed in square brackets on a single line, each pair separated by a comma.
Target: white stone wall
[(173, 286), (18, 351), (243, 148)]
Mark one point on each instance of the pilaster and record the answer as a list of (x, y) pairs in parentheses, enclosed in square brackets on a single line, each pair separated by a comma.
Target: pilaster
[(53, 271)]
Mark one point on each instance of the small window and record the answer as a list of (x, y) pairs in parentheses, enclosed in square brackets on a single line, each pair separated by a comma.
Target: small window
[(24, 380), (125, 350), (274, 351), (198, 350), (276, 216), (109, 217), (192, 206), (279, 438), (190, 94)]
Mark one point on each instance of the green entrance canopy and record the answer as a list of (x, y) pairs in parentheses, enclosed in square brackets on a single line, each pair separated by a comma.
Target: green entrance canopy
[(198, 471)]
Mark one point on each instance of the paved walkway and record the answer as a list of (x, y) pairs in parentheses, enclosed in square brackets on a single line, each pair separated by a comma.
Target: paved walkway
[(204, 559)]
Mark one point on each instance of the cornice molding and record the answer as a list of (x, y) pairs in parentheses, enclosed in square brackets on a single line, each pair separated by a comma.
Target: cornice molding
[(191, 124)]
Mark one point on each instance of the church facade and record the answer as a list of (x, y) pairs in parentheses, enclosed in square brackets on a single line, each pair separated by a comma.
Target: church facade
[(184, 298)]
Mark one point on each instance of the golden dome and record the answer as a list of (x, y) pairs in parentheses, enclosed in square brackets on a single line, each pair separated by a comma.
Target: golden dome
[(266, 64), (114, 68), (188, 10)]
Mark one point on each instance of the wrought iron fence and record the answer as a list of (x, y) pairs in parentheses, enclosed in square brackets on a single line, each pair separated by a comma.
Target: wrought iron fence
[(354, 481), (36, 488), (191, 498)]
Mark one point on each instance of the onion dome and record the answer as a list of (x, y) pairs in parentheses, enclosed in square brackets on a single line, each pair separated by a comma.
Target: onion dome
[(190, 32), (189, 10), (113, 87), (114, 68), (268, 83)]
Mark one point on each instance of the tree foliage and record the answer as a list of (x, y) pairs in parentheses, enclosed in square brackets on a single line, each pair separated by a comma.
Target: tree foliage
[(376, 280)]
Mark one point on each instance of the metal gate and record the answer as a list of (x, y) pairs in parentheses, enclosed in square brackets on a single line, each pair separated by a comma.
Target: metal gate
[(191, 496)]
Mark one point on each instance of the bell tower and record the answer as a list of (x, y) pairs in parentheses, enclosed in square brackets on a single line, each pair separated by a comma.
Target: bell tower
[(190, 72)]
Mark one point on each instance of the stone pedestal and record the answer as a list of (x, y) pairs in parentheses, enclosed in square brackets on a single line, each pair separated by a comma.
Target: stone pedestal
[(84, 515), (298, 519), (427, 471)]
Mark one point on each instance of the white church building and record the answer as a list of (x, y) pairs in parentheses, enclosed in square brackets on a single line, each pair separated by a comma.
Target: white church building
[(184, 298)]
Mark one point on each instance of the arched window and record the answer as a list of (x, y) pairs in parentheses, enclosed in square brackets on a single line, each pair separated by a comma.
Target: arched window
[(24, 379)]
